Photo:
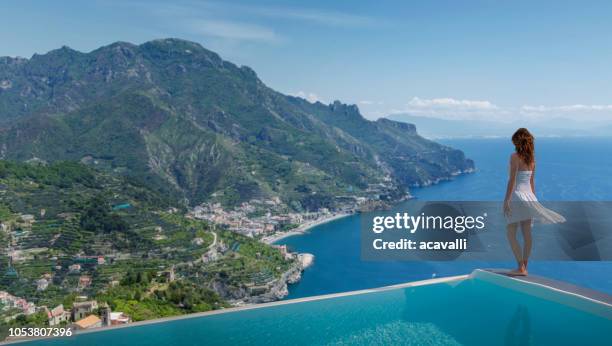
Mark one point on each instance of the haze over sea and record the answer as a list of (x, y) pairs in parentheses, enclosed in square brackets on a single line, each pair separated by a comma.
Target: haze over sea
[(568, 169)]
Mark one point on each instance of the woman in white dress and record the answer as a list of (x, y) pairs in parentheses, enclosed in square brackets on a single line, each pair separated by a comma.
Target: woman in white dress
[(521, 207)]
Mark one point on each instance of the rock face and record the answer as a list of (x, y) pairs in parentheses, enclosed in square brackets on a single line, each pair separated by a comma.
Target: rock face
[(305, 260), (273, 291), (278, 289), (178, 118)]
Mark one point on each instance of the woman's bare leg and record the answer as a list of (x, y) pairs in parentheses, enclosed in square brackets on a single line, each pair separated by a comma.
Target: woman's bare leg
[(516, 248), (526, 230)]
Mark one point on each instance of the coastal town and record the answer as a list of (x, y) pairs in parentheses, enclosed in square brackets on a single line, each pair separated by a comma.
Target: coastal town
[(269, 225), (271, 220)]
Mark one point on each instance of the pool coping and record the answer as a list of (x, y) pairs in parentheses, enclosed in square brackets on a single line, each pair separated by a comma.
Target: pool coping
[(576, 297), (448, 279), (583, 292)]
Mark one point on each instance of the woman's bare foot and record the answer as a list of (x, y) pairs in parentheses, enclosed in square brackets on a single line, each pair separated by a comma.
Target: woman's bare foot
[(516, 272), (523, 268), (520, 271)]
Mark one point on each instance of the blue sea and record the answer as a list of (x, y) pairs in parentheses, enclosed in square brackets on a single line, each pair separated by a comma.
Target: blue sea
[(568, 169)]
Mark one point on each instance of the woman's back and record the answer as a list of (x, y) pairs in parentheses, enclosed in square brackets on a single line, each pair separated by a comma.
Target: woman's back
[(523, 181), (523, 174), (522, 166)]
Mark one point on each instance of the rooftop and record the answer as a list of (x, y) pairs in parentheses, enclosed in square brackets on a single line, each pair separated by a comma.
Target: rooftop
[(88, 321)]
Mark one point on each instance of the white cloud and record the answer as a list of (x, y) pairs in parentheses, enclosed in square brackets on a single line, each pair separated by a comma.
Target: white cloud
[(567, 108), (308, 96), (313, 15), (581, 112), (366, 102), (316, 16), (243, 22), (462, 109), (233, 30), (451, 108), (450, 103)]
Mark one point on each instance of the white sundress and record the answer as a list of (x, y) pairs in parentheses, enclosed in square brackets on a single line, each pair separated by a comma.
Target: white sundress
[(525, 205)]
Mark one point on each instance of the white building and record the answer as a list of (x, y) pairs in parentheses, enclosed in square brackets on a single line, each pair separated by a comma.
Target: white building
[(57, 315), (42, 284), (119, 318)]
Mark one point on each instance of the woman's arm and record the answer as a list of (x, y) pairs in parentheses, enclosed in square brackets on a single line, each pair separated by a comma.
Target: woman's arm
[(511, 179), (511, 182), (533, 179)]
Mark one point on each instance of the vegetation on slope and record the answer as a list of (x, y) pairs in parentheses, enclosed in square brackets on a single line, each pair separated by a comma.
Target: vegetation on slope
[(66, 221), (180, 119)]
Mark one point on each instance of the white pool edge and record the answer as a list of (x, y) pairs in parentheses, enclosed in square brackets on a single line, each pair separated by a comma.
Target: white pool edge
[(566, 297)]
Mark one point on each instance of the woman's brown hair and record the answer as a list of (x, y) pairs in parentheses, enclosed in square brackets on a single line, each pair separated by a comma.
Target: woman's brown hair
[(523, 143)]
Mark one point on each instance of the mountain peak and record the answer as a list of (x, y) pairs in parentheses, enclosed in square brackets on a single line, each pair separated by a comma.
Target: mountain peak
[(63, 51), (173, 41), (119, 45), (168, 48), (120, 52), (346, 109), (176, 45)]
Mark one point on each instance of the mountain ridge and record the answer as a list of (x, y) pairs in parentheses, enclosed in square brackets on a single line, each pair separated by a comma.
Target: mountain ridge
[(185, 121)]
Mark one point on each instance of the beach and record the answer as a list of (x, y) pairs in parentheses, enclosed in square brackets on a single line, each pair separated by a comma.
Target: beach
[(304, 227)]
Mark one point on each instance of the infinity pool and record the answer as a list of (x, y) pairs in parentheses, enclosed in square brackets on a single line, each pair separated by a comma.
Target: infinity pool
[(480, 309)]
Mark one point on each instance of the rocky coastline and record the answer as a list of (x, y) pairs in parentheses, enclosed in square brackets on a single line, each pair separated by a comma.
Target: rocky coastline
[(273, 291)]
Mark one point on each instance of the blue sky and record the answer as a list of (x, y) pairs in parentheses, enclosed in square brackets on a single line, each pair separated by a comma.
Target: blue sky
[(456, 59)]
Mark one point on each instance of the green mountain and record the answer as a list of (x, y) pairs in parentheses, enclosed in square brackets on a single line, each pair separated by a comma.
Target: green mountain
[(65, 221), (178, 118)]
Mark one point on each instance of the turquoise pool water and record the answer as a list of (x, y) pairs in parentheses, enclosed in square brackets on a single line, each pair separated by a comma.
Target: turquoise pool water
[(473, 311)]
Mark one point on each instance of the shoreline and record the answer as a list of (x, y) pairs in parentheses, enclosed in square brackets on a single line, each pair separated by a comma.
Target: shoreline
[(271, 239)]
